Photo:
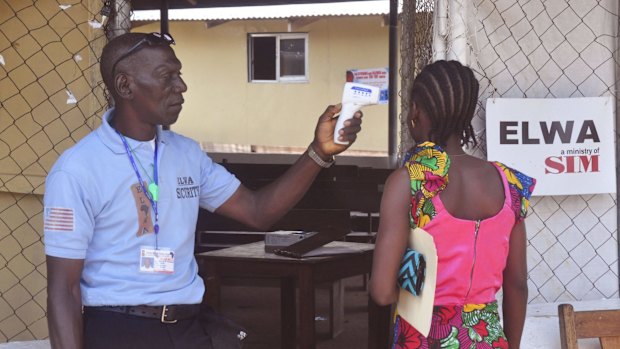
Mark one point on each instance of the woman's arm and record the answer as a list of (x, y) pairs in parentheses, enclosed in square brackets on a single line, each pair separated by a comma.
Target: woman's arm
[(515, 286), (391, 238)]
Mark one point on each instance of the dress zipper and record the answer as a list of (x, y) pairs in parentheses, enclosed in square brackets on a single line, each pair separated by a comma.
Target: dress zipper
[(473, 265)]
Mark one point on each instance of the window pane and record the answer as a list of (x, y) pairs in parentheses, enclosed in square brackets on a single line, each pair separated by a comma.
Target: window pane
[(264, 58), (292, 57)]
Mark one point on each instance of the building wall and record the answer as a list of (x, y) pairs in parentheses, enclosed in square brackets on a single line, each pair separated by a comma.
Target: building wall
[(221, 106)]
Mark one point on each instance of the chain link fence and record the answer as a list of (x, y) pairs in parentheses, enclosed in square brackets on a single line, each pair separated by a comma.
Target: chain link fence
[(416, 51), (542, 49), (555, 49), (51, 96)]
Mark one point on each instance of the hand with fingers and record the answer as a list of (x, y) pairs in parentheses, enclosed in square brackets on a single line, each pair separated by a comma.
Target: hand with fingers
[(323, 143)]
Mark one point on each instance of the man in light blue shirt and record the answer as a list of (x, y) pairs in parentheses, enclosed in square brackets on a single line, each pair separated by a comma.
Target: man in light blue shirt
[(129, 192)]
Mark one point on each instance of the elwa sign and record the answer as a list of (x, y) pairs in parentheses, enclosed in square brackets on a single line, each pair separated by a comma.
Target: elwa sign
[(567, 144)]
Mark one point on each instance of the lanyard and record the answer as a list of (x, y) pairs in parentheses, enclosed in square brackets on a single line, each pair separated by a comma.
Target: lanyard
[(153, 193)]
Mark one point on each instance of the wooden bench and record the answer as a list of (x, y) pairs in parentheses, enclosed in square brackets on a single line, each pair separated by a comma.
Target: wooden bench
[(601, 324), (355, 189), (214, 231)]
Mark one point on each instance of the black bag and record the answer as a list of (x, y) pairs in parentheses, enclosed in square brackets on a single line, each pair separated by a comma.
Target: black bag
[(224, 333)]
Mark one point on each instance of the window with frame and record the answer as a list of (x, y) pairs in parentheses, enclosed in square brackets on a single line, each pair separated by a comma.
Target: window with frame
[(278, 57)]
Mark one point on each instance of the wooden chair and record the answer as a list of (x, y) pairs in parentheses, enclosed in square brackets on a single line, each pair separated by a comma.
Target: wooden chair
[(601, 324)]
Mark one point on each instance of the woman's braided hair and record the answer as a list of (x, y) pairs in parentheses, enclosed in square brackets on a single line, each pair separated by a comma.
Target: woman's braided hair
[(447, 91)]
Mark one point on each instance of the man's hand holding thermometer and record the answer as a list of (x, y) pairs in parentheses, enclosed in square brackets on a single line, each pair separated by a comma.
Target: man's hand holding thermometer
[(326, 141), (354, 97)]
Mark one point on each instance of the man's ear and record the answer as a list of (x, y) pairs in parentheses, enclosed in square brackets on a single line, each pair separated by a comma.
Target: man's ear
[(122, 85)]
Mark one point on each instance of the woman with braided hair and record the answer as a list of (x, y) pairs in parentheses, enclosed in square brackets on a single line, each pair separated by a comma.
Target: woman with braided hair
[(474, 211)]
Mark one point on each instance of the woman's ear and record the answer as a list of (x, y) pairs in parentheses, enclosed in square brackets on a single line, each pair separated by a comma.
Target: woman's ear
[(414, 115), (412, 120), (419, 124), (123, 86)]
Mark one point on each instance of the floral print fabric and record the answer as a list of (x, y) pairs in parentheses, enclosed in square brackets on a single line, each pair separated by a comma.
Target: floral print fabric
[(428, 168), (471, 326), (521, 188)]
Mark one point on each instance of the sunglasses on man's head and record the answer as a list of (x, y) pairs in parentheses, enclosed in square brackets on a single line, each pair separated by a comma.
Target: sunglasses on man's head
[(150, 39)]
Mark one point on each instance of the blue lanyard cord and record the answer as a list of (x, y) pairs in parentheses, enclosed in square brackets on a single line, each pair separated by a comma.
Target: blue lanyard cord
[(154, 195)]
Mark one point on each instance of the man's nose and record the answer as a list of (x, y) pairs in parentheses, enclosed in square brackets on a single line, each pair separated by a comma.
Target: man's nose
[(180, 85)]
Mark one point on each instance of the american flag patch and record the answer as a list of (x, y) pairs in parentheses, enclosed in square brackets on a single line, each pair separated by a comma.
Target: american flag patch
[(59, 219)]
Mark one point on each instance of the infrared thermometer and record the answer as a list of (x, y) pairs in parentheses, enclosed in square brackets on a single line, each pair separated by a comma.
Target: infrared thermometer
[(354, 97)]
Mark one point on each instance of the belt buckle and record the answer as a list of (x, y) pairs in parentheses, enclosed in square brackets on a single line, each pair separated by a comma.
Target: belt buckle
[(164, 313)]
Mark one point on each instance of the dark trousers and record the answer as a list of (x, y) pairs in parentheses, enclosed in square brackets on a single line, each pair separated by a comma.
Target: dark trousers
[(110, 330)]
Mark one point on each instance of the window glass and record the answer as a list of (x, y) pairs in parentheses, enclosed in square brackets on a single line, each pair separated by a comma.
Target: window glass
[(263, 58), (292, 57)]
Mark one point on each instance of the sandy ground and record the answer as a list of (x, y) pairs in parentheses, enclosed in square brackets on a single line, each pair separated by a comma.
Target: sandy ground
[(257, 308)]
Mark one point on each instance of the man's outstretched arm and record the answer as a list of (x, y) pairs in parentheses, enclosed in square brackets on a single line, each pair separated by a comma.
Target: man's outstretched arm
[(261, 208)]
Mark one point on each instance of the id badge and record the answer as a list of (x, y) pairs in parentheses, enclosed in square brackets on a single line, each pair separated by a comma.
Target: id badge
[(160, 261)]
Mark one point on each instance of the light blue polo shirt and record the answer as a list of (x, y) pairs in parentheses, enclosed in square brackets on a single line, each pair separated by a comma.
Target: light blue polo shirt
[(91, 213)]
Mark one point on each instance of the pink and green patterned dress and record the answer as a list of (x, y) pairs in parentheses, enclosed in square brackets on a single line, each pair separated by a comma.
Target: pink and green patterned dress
[(471, 256)]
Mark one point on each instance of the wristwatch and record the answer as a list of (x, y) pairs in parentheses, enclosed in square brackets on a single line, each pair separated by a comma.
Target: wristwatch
[(314, 156)]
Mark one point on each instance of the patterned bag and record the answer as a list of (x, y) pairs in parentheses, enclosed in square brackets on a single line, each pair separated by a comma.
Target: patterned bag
[(412, 272)]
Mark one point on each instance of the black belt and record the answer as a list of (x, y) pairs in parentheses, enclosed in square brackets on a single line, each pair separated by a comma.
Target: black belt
[(167, 314)]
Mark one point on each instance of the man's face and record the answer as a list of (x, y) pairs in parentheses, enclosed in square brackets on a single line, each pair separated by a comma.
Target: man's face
[(157, 86)]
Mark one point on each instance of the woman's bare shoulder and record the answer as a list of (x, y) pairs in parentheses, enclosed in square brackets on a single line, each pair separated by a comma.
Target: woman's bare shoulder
[(399, 178), (396, 190)]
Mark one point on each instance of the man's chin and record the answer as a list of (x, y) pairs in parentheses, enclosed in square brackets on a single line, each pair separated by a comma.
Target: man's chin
[(170, 120)]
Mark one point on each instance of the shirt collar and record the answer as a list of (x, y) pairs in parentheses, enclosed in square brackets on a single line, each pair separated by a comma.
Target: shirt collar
[(111, 139)]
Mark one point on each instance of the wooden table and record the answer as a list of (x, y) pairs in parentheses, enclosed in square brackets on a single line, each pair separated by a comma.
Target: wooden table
[(252, 261)]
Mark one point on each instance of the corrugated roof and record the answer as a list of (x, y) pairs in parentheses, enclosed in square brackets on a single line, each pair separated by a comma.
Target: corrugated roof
[(350, 8)]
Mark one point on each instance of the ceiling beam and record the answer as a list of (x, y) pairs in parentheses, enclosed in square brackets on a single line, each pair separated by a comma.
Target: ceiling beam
[(385, 22), (215, 23), (136, 24), (294, 24)]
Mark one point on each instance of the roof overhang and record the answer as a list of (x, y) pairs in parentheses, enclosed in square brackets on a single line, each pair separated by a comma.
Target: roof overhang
[(282, 11), (175, 4)]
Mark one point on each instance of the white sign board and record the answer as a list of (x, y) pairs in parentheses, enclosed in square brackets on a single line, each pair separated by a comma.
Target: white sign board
[(567, 144), (374, 77)]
